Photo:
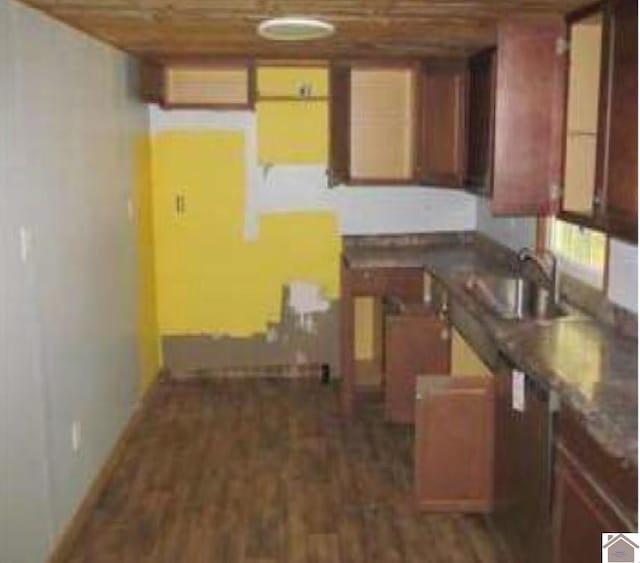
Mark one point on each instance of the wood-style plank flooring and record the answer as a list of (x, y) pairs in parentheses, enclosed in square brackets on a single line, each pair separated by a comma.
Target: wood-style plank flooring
[(266, 470)]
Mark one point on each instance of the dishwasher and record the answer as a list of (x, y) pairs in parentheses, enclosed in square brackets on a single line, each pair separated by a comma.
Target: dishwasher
[(525, 422)]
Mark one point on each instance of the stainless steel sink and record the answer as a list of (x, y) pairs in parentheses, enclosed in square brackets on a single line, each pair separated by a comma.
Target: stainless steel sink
[(513, 297)]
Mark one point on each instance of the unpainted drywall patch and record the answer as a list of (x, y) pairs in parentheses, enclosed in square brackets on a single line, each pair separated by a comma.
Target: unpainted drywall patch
[(282, 343)]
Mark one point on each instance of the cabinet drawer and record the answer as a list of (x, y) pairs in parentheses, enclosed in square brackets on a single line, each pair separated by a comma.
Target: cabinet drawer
[(404, 283)]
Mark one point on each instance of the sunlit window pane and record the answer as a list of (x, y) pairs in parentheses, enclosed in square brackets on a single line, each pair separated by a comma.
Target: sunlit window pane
[(581, 251)]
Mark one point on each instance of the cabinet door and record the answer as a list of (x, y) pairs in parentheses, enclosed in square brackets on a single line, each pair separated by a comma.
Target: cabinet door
[(480, 122), (454, 443), (414, 344), (442, 124), (581, 513), (621, 156), (528, 119)]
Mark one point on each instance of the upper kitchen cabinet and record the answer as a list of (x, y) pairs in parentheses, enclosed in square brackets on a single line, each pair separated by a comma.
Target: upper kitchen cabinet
[(223, 85), (382, 124), (528, 117), (583, 97), (398, 123), (443, 90), (600, 183), (620, 192), (480, 105), (514, 118)]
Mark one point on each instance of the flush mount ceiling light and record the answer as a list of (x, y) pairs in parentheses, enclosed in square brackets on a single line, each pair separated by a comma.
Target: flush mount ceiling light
[(294, 29)]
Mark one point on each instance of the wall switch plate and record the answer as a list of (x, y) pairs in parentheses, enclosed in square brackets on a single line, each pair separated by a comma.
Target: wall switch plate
[(25, 243), (76, 436), (517, 390)]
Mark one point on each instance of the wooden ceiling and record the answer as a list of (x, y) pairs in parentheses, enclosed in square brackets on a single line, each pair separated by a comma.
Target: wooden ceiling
[(161, 29)]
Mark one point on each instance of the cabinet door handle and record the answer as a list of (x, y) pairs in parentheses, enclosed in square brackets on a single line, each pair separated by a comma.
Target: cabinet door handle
[(180, 204)]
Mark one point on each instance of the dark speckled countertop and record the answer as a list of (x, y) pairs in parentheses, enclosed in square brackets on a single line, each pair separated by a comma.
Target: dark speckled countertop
[(593, 369)]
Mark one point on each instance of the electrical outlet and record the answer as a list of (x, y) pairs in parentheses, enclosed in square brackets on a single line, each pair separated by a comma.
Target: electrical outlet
[(76, 436)]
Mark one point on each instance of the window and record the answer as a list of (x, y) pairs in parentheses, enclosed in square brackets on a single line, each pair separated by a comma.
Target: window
[(581, 252)]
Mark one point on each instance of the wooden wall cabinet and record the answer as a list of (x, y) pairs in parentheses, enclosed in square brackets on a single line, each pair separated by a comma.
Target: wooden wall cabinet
[(398, 123), (454, 443), (480, 102), (594, 494), (528, 118), (514, 119), (442, 123), (415, 343), (600, 180), (223, 85)]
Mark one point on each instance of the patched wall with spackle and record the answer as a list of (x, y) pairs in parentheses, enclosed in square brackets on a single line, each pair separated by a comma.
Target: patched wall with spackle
[(248, 234)]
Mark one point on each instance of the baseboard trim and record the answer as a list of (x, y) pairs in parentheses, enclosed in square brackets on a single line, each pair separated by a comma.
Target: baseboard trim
[(285, 371), (64, 544)]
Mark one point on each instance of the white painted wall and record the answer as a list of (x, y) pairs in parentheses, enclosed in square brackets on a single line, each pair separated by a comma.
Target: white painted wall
[(514, 232), (623, 274), (67, 314), (360, 210)]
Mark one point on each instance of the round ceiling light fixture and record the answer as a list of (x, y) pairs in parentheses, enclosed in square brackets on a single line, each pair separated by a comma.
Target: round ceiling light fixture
[(295, 29)]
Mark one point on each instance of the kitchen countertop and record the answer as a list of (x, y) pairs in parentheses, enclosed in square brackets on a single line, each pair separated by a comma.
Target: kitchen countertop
[(593, 369)]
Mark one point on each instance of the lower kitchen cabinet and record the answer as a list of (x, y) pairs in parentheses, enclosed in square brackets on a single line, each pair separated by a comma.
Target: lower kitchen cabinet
[(363, 291), (415, 343), (594, 494), (523, 470), (454, 443)]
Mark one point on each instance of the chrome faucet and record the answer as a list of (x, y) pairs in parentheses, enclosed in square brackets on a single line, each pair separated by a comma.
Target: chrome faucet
[(548, 264)]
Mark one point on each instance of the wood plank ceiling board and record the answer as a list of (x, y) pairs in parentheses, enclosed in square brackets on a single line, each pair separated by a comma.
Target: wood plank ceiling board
[(164, 29)]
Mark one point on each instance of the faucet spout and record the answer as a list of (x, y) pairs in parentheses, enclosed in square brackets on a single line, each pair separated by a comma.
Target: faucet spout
[(547, 263)]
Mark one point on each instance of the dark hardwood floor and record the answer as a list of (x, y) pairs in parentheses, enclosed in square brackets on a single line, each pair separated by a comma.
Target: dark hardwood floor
[(265, 470)]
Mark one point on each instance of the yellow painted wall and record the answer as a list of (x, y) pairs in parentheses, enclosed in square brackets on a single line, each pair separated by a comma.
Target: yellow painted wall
[(147, 324), (293, 132), (209, 278), (464, 360)]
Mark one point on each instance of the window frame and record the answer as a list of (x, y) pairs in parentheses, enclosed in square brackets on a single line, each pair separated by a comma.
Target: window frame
[(571, 268)]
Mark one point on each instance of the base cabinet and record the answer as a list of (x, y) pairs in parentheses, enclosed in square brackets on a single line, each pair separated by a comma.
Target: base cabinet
[(582, 513), (594, 494), (522, 468)]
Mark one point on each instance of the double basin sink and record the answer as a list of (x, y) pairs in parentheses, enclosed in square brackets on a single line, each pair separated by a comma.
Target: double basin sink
[(511, 297)]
